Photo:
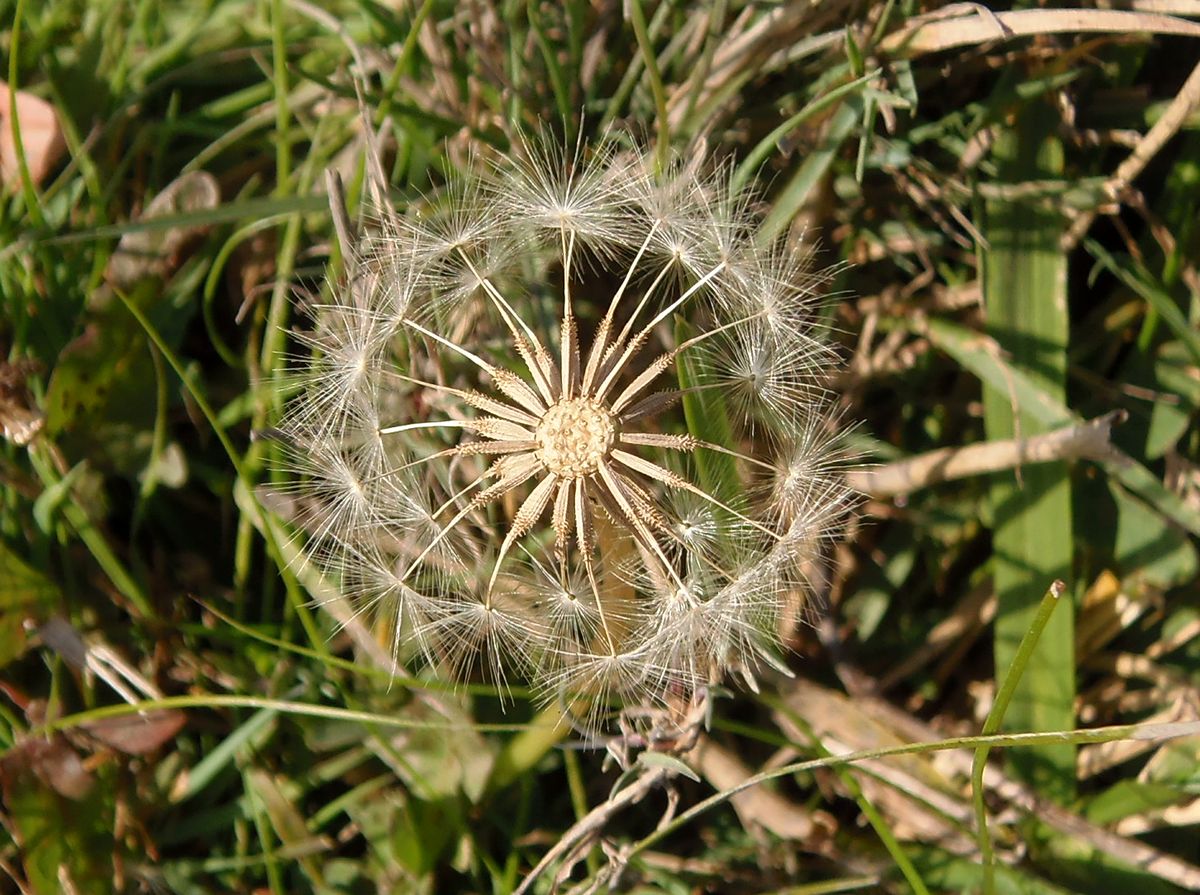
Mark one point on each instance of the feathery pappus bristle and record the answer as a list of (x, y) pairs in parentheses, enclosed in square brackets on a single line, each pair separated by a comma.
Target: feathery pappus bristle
[(567, 420)]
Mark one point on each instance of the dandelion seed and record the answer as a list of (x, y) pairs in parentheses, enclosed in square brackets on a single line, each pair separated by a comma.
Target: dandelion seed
[(510, 497)]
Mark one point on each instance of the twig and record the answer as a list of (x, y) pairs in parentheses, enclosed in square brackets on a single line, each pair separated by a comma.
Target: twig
[(1089, 440), (938, 31), (1163, 130), (594, 821)]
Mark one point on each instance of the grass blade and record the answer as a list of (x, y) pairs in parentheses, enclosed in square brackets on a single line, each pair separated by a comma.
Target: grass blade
[(1024, 288), (996, 717)]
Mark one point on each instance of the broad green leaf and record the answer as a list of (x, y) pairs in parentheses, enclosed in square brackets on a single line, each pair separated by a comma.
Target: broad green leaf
[(404, 832), (1148, 549), (66, 843), (1089, 868), (255, 731), (278, 796), (1177, 764), (653, 759), (880, 583), (434, 766), (814, 167), (1025, 297), (1138, 280), (1171, 414), (950, 873), (1127, 797), (25, 593)]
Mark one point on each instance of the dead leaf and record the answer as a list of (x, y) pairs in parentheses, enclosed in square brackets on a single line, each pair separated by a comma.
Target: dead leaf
[(54, 762), (976, 24), (60, 817), (19, 420), (760, 806), (137, 734), (251, 267), (50, 758), (41, 138)]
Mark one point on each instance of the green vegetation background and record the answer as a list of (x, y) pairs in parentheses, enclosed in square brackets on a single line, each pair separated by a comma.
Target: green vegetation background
[(1009, 202)]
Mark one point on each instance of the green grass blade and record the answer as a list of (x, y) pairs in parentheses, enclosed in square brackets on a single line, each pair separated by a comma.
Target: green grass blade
[(815, 166), (995, 718), (708, 418), (1024, 288)]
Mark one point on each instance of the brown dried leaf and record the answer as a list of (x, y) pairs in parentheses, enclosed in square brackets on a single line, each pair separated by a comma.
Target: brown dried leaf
[(976, 24), (759, 806), (41, 138), (53, 761), (19, 419), (138, 734)]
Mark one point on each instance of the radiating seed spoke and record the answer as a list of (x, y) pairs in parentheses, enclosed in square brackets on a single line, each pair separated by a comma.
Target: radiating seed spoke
[(476, 399), (599, 343), (660, 364), (687, 443), (540, 365), (427, 424), (583, 534), (613, 484), (674, 480), (636, 341), (527, 516)]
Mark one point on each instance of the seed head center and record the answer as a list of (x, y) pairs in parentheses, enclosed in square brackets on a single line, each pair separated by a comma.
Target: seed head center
[(574, 435)]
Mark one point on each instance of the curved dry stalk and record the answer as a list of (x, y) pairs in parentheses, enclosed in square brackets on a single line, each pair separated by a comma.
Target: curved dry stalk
[(1083, 441)]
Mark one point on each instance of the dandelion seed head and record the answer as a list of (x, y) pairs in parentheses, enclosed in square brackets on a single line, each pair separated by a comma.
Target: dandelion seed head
[(562, 421)]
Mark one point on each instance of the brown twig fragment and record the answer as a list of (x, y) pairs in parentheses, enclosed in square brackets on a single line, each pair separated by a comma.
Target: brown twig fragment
[(590, 825), (1163, 130), (1089, 440)]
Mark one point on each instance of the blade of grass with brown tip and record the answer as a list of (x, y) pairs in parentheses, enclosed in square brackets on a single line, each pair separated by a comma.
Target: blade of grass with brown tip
[(1024, 283)]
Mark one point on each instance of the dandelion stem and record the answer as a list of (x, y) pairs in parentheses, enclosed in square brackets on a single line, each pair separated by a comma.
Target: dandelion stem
[(996, 717)]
